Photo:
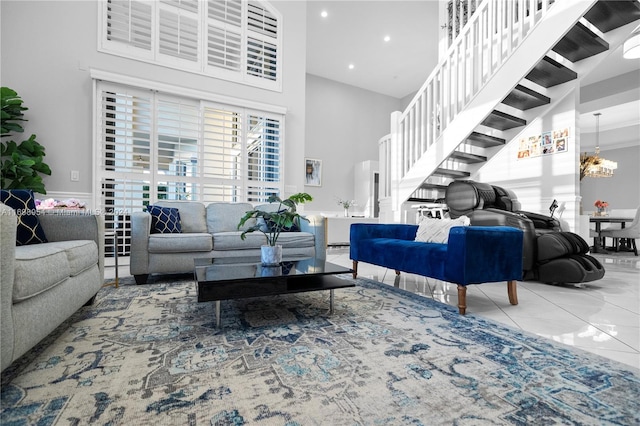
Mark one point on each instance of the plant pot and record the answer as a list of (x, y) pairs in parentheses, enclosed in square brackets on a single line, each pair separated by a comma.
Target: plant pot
[(271, 255)]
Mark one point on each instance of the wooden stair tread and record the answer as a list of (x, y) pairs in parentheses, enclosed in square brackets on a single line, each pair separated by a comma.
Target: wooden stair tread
[(466, 157), (609, 15), (503, 121), (454, 174), (580, 43), (548, 73), (484, 141), (523, 98), (437, 186)]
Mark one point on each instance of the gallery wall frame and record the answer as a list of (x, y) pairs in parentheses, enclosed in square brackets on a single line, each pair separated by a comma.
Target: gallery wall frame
[(546, 143), (313, 171)]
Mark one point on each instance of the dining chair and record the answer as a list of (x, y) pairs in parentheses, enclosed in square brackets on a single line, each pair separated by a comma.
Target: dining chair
[(631, 232)]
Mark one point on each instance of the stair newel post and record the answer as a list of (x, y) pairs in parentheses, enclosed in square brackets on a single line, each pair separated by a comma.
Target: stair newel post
[(395, 162)]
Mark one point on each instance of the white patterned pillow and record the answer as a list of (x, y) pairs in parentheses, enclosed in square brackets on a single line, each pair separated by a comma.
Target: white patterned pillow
[(437, 230)]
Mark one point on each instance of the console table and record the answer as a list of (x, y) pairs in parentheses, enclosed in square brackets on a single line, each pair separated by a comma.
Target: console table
[(338, 228)]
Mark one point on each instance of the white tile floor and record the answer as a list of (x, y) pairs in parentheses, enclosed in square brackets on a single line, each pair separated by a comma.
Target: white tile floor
[(602, 317)]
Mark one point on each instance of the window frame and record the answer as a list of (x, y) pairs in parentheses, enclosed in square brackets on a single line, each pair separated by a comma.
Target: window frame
[(131, 181), (201, 65)]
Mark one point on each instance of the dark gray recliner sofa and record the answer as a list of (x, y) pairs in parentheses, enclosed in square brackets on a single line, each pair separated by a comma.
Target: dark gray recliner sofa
[(549, 254)]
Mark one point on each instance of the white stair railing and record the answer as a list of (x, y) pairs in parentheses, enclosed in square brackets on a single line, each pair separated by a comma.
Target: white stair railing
[(491, 34)]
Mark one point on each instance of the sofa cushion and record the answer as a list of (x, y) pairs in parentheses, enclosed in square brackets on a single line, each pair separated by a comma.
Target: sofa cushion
[(81, 254), (164, 220), (180, 243), (224, 217), (232, 240), (192, 214), (29, 230), (39, 267), (437, 230)]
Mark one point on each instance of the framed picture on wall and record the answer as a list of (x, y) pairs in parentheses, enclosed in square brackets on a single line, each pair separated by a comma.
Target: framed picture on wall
[(313, 172)]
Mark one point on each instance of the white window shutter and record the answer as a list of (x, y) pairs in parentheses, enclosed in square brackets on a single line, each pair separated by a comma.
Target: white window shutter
[(222, 150), (263, 149), (262, 59), (261, 20), (224, 48), (178, 130), (178, 34), (264, 157), (129, 22), (153, 146), (123, 171), (236, 40)]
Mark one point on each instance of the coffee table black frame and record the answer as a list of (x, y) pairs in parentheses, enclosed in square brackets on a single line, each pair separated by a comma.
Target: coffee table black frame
[(243, 277)]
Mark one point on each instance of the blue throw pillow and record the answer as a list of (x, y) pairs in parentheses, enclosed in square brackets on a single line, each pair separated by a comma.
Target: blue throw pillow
[(29, 229), (164, 220)]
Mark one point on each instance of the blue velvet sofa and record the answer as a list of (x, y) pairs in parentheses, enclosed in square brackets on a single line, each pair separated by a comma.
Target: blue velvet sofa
[(473, 254)]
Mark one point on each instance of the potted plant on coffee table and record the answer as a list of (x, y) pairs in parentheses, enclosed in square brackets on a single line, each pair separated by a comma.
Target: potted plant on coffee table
[(273, 222)]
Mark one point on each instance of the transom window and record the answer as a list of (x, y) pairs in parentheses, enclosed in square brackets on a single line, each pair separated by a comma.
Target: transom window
[(230, 39)]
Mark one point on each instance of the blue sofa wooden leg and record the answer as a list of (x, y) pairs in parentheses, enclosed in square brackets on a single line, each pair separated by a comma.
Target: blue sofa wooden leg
[(355, 269), (512, 290), (462, 299)]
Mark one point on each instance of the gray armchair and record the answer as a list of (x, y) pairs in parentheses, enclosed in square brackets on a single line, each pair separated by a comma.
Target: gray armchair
[(41, 285)]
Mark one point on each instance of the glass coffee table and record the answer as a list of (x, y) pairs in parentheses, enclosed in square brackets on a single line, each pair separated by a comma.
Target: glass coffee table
[(242, 277)]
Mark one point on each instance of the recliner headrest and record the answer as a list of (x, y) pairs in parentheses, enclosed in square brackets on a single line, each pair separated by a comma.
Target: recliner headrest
[(506, 199), (465, 196)]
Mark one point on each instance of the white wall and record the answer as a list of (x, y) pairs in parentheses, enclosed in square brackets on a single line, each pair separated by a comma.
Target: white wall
[(48, 48), (539, 180), (343, 126), (622, 190)]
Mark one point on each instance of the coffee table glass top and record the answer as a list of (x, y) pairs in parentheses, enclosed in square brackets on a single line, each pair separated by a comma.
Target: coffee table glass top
[(243, 268)]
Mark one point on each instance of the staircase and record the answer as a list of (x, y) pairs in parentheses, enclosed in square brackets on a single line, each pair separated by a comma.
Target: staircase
[(511, 63)]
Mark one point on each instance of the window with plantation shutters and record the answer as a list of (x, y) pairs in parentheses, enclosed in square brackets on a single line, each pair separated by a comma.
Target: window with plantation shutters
[(157, 146), (234, 40), (128, 23)]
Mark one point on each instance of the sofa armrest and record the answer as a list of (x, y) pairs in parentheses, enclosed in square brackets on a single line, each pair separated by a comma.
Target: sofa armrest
[(8, 229), (140, 231), (68, 225), (480, 254), (367, 231), (316, 225)]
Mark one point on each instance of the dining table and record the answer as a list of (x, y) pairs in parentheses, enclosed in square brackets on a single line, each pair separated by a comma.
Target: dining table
[(599, 220)]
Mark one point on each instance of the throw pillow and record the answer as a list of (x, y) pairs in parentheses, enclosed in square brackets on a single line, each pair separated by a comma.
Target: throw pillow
[(437, 230), (164, 220), (29, 229)]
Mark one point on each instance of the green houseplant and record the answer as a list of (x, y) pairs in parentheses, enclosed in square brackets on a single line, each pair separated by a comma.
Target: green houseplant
[(21, 163), (273, 222)]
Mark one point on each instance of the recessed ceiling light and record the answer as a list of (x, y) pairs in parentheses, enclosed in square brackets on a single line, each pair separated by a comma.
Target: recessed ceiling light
[(351, 66), (387, 38), (324, 14)]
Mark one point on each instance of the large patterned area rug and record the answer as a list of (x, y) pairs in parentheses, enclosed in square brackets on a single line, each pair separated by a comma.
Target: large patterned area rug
[(151, 355)]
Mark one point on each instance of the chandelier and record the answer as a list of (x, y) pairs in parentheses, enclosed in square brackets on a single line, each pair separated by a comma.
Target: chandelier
[(593, 165)]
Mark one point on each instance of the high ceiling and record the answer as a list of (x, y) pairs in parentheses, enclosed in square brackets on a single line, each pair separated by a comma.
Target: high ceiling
[(353, 33)]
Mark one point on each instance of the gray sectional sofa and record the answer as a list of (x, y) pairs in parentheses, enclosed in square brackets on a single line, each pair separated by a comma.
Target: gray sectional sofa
[(42, 285), (211, 231)]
